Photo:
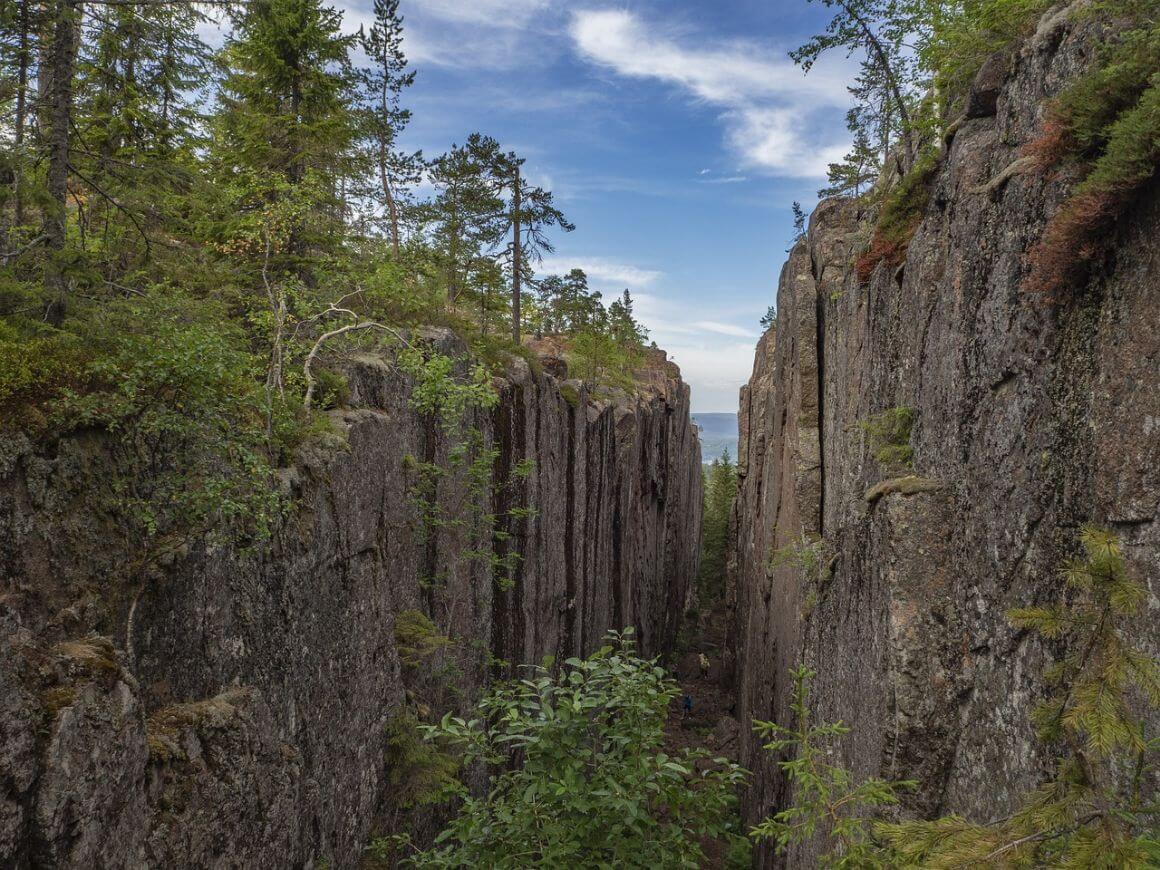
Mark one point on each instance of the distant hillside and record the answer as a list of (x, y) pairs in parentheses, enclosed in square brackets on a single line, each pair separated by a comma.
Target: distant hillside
[(718, 434)]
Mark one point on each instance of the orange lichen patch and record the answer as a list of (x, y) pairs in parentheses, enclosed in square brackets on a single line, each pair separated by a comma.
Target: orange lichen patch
[(1053, 144), (1070, 242), (884, 249)]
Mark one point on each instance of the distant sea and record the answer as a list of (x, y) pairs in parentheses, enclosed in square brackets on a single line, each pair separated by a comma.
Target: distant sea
[(718, 434)]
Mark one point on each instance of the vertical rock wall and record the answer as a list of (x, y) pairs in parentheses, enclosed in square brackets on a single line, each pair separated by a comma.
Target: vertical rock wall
[(1030, 419), (228, 707)]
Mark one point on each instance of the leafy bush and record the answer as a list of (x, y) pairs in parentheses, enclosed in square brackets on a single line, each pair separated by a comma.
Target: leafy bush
[(583, 781), (173, 384)]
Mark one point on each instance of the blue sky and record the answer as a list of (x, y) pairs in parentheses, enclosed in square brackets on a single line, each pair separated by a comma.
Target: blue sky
[(674, 134)]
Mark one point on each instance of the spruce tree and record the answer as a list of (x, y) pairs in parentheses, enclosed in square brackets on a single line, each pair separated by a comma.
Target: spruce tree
[(285, 129)]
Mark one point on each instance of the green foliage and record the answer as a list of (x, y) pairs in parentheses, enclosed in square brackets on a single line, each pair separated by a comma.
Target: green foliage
[(581, 776), (720, 491), (828, 801), (436, 391), (769, 319), (418, 771), (959, 37), (416, 638), (888, 435), (598, 358), (1093, 813), (333, 390), (175, 388), (477, 530)]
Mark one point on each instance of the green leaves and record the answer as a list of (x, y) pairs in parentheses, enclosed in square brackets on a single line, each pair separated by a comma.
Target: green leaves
[(584, 780)]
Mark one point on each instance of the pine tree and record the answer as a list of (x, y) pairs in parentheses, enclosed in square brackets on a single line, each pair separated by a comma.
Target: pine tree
[(858, 168), (623, 325), (879, 30), (468, 218), (385, 119), (532, 213), (827, 800)]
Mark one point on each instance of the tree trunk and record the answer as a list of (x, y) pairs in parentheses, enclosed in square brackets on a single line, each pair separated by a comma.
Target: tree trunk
[(62, 64), (22, 62), (880, 53), (389, 196), (517, 259)]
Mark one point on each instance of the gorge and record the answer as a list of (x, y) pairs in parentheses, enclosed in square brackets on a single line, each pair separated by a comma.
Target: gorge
[(284, 492)]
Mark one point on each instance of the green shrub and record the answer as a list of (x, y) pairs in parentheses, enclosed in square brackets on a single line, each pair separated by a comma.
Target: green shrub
[(171, 381), (901, 213), (331, 389), (418, 771), (416, 638), (581, 777)]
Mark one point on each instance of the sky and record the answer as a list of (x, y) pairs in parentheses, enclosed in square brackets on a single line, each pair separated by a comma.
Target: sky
[(675, 135)]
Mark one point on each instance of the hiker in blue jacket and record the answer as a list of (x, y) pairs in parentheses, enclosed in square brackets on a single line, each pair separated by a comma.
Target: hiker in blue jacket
[(687, 707)]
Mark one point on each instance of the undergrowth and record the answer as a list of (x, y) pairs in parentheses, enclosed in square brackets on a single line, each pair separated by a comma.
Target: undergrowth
[(1106, 128), (900, 216)]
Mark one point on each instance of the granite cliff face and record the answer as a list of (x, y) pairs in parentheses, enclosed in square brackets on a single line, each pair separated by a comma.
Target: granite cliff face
[(1027, 419), (230, 708)]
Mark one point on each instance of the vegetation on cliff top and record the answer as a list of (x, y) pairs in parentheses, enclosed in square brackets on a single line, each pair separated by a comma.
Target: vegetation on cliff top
[(920, 58), (192, 240)]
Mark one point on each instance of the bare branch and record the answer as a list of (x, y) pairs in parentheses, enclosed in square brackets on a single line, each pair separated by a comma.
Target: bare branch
[(334, 333)]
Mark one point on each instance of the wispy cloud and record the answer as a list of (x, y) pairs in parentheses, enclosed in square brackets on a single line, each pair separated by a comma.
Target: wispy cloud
[(724, 329), (603, 271), (769, 108), (464, 34), (713, 366)]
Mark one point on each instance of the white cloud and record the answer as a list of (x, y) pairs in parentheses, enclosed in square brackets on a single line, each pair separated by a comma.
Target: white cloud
[(464, 34), (769, 108), (732, 179), (602, 271), (714, 368), (725, 329)]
